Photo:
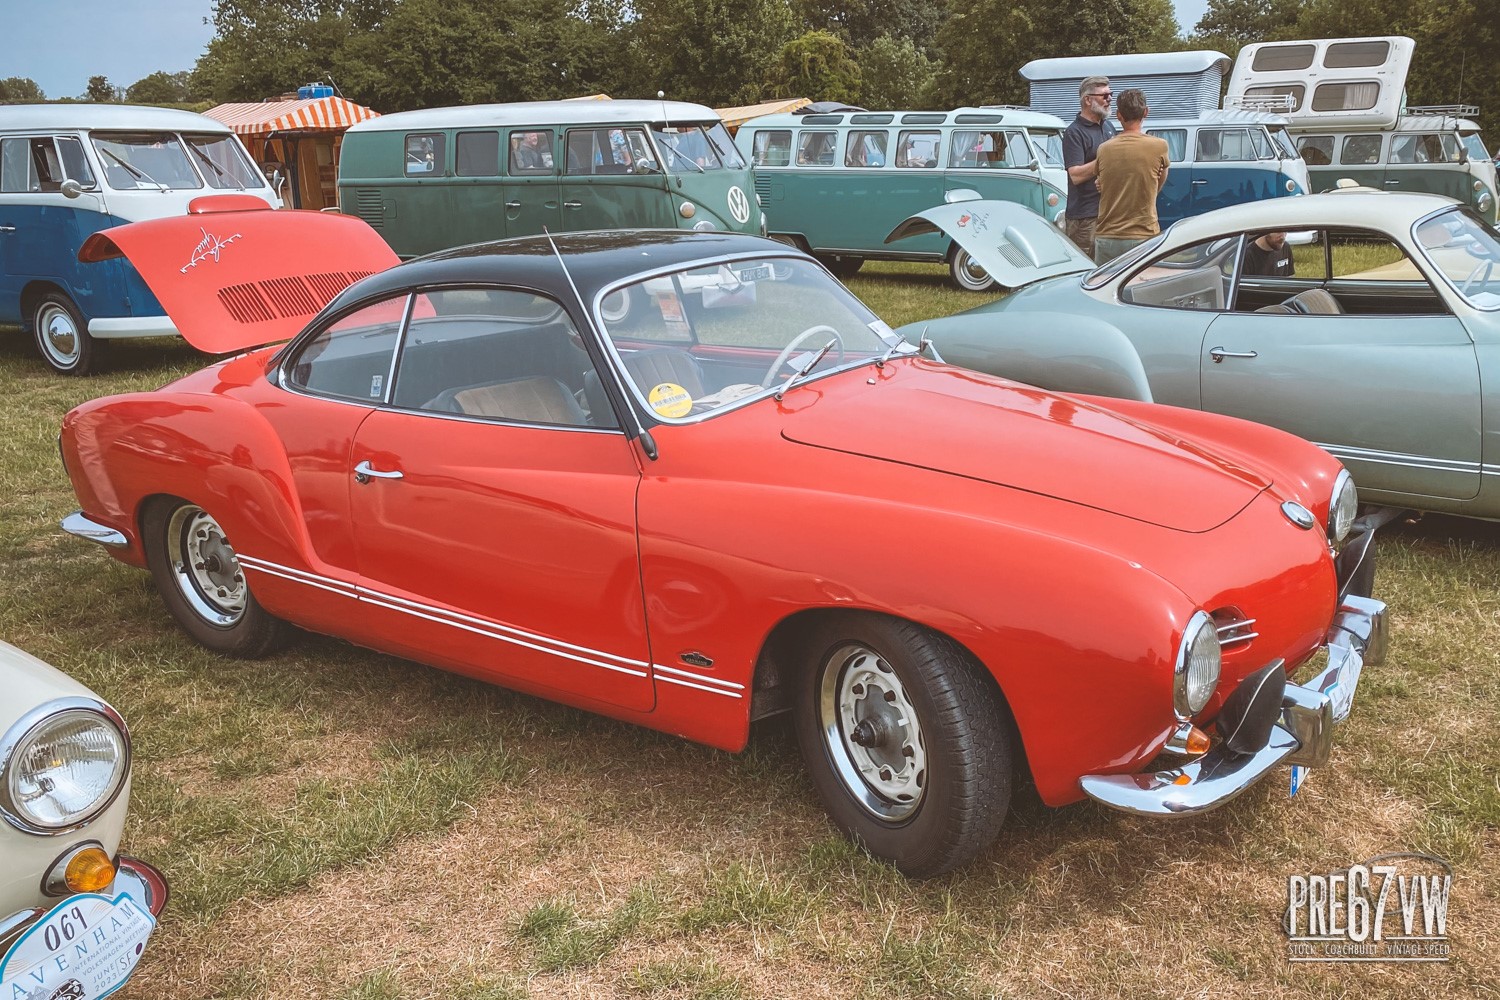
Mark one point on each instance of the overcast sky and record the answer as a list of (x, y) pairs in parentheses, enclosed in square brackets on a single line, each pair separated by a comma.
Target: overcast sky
[(61, 45)]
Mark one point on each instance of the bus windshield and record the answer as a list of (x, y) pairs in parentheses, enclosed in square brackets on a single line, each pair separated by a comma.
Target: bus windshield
[(221, 162), (145, 160), (690, 147), (1048, 145)]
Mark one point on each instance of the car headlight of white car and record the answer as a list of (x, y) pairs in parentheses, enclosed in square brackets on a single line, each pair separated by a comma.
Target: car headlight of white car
[(1343, 506), (1198, 662), (62, 764)]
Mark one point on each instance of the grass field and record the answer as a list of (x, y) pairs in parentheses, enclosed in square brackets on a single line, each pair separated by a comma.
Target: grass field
[(341, 824)]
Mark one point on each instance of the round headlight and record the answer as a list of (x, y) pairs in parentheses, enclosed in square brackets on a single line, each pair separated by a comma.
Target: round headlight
[(1484, 202), (703, 225), (1343, 506), (687, 210), (1291, 186), (1479, 185), (1198, 662), (1051, 201), (65, 766)]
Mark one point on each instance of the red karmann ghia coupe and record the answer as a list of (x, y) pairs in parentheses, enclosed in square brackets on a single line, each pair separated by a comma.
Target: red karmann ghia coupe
[(687, 480)]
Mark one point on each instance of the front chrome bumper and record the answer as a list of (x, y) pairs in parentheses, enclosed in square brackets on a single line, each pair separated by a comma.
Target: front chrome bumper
[(144, 884), (1303, 735)]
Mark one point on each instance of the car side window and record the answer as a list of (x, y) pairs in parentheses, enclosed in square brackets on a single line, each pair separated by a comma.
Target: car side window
[(15, 165), (1194, 277), (498, 354), (75, 164), (477, 154), (1360, 149), (865, 149), (1176, 140), (607, 151), (1362, 255), (30, 165), (1428, 148), (772, 148), (815, 149), (1316, 150), (424, 155), (351, 358)]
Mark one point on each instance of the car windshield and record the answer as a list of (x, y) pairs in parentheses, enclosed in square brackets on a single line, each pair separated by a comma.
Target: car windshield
[(221, 162), (1284, 143), (1466, 251), (1475, 146), (145, 160), (1104, 272), (1049, 146), (689, 146), (712, 336)]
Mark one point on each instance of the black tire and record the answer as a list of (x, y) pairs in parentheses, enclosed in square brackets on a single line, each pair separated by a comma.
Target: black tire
[(62, 335), (966, 273), (927, 808), (841, 266), (202, 584)]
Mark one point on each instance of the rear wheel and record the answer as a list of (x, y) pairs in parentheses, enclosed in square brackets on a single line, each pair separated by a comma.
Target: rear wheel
[(202, 583), (906, 741), (967, 274), (62, 335)]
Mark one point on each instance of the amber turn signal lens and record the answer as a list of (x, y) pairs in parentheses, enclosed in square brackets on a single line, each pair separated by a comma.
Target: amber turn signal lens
[(1197, 741), (90, 870)]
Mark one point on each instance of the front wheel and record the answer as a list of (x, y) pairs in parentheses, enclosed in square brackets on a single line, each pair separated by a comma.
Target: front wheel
[(202, 583), (967, 274), (62, 335), (906, 740)]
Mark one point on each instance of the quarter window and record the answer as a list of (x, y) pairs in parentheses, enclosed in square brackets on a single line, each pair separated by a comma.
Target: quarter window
[(498, 354), (425, 154), (351, 358), (1195, 277), (75, 164)]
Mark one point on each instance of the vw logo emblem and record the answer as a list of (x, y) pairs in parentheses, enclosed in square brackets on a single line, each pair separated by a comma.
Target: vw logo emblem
[(739, 205)]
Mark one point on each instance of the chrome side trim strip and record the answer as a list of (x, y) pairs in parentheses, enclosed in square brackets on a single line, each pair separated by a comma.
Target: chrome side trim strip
[(698, 677), (298, 576), (688, 684), (1405, 461)]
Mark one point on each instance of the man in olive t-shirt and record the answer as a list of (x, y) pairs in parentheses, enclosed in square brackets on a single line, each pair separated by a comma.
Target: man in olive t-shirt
[(1132, 169)]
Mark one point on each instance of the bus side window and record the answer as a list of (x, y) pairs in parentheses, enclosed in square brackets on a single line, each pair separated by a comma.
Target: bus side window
[(1316, 150), (772, 149), (478, 154), (1176, 139), (75, 164), (15, 165), (815, 149), (918, 149), (1360, 149), (424, 155)]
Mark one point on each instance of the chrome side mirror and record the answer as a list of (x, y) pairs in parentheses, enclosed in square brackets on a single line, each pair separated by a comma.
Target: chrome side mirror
[(71, 188)]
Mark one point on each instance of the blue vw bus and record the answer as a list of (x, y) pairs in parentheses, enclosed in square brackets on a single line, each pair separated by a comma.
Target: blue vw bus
[(70, 170)]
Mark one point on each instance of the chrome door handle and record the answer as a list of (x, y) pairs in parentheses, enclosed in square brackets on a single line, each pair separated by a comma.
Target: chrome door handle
[(512, 204), (572, 204), (7, 229), (1201, 181), (1392, 183), (1219, 354), (364, 472)]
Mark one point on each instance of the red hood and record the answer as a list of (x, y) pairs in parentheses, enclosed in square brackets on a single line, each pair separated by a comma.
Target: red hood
[(232, 276), (983, 428)]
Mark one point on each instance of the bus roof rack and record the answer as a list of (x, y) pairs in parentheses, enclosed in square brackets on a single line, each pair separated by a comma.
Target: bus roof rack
[(1454, 110), (1265, 102)]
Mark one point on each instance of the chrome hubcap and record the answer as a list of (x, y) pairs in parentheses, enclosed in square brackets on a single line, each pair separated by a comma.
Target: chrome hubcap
[(57, 334), (872, 733), (970, 273), (205, 567)]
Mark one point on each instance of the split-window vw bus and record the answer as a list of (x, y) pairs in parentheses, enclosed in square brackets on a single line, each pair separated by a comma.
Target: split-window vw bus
[(838, 184), (1346, 101), (428, 180), (70, 170), (1223, 158)]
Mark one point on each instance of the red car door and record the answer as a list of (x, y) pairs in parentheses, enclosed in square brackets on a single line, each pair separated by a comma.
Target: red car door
[(494, 519)]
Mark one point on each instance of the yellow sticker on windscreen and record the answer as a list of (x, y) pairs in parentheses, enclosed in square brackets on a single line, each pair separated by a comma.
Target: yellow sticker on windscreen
[(670, 400)]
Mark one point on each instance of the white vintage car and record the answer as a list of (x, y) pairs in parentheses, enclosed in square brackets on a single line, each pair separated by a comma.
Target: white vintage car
[(74, 915)]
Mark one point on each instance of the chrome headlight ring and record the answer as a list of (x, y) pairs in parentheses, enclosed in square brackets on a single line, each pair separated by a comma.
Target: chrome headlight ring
[(56, 750), (1343, 508), (1196, 673)]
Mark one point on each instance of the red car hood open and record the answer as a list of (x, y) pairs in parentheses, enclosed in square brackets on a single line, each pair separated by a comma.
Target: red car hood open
[(1013, 435), (233, 276)]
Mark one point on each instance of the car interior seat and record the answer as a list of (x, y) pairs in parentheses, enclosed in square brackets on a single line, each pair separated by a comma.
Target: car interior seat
[(533, 400), (648, 368), (1315, 302)]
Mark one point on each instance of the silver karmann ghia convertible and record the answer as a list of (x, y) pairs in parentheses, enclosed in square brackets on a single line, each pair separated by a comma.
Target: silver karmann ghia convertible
[(1373, 331)]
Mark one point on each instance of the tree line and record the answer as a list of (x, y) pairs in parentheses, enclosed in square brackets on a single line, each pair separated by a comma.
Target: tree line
[(398, 55)]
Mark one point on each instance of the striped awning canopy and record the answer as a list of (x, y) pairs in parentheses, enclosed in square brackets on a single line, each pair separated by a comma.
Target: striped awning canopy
[(324, 114), (735, 117)]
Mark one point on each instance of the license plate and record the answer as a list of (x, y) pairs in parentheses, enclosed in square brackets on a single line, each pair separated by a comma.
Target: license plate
[(1299, 775), (761, 273), (84, 949)]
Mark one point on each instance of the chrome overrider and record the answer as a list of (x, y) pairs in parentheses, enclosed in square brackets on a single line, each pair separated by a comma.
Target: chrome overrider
[(1303, 735), (76, 524), (143, 883)]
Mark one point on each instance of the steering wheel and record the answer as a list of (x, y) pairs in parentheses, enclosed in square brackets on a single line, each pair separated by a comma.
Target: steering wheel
[(790, 349), (1475, 280)]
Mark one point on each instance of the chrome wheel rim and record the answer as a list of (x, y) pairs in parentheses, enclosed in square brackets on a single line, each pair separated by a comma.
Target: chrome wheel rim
[(57, 335), (969, 274), (205, 568), (872, 733)]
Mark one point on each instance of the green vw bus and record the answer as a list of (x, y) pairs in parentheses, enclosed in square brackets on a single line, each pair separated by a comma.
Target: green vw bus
[(428, 180), (836, 184)]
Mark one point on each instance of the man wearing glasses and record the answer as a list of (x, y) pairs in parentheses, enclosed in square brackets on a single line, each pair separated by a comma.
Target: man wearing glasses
[(1081, 141)]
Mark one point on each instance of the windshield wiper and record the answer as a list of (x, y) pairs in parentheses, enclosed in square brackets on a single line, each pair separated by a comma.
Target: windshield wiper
[(800, 375), (135, 171), (890, 352), (216, 168), (681, 156)]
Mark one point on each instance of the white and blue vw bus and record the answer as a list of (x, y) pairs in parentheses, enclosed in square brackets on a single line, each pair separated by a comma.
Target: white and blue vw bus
[(70, 170)]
